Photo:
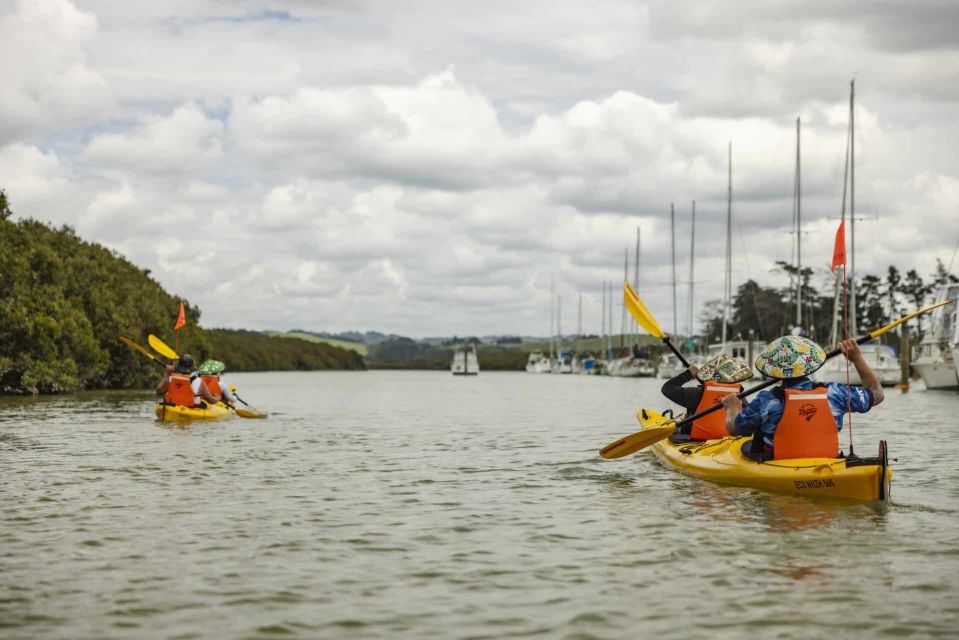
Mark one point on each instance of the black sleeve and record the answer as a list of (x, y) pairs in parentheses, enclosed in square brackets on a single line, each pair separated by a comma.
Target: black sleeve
[(673, 388)]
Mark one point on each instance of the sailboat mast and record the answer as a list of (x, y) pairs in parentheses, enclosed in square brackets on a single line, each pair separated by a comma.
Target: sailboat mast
[(692, 252), (552, 317), (579, 321), (798, 232), (672, 235), (622, 322), (636, 282), (559, 323), (852, 209), (602, 332), (728, 284), (609, 318)]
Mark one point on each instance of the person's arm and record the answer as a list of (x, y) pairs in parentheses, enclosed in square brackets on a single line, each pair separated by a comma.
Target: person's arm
[(206, 395), (673, 388), (225, 391), (733, 407), (164, 383), (850, 349)]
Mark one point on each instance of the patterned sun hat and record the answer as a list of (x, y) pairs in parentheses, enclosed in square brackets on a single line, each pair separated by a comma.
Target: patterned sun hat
[(790, 357), (725, 368), (211, 368)]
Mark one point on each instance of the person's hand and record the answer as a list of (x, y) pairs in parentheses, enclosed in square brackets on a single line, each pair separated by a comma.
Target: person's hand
[(850, 349), (732, 401), (693, 370)]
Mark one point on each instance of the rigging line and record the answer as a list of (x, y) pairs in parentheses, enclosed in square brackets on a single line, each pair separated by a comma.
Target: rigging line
[(845, 314)]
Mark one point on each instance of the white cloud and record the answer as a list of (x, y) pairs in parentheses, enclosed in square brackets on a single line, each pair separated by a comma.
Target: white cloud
[(48, 83), (181, 143)]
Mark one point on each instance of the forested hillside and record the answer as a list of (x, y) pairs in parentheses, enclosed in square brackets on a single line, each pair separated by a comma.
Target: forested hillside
[(64, 302)]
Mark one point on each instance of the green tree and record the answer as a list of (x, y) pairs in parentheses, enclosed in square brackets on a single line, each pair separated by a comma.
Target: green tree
[(942, 275), (5, 211)]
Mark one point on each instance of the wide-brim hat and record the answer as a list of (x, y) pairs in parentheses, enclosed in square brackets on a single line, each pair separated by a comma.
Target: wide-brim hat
[(184, 364), (211, 368), (790, 357), (725, 368)]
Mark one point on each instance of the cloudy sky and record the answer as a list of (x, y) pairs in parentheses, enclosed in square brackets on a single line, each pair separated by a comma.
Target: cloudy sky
[(428, 167)]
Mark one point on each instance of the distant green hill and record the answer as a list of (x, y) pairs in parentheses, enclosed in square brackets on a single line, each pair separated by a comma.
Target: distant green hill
[(64, 302), (358, 347)]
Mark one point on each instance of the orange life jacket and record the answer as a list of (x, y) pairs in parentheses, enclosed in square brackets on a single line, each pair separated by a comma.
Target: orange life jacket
[(213, 384), (180, 391), (807, 428), (714, 425)]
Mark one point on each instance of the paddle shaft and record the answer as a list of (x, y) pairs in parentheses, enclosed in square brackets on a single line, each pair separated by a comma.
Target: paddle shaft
[(759, 387), (669, 344)]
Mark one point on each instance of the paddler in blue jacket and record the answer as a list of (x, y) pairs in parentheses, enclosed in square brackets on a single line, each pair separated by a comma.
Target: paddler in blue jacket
[(793, 359)]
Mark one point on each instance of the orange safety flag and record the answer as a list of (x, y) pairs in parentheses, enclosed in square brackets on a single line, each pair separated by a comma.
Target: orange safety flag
[(180, 319), (839, 251)]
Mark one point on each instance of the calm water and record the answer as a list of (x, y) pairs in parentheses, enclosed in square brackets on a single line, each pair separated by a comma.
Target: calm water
[(418, 505)]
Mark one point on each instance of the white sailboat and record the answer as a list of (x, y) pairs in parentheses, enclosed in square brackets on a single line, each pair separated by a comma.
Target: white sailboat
[(633, 364), (882, 359), (538, 363), (465, 362), (742, 349), (938, 360), (669, 365)]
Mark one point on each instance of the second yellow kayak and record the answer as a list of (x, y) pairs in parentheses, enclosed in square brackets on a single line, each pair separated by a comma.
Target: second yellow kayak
[(178, 413), (724, 461)]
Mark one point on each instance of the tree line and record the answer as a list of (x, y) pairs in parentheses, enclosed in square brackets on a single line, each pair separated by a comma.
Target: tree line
[(769, 312), (65, 301)]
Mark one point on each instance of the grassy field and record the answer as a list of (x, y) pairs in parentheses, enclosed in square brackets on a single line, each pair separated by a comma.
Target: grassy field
[(586, 344), (358, 347)]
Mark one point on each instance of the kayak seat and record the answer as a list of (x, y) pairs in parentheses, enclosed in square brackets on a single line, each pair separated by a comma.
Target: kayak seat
[(749, 451)]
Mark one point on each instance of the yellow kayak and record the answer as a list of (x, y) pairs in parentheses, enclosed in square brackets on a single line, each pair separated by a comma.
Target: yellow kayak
[(724, 461), (179, 413)]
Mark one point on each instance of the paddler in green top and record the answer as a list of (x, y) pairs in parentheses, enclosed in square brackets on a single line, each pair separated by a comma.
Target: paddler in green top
[(210, 372)]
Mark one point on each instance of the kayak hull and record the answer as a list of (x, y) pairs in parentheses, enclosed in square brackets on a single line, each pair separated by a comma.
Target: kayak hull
[(178, 413), (723, 461)]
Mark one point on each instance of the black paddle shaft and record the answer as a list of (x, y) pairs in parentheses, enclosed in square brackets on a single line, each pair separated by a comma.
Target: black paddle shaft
[(763, 385), (676, 351)]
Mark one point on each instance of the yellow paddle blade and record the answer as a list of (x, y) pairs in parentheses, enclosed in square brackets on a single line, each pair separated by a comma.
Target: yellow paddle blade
[(161, 347), (889, 327), (134, 345), (639, 311), (249, 413), (636, 441)]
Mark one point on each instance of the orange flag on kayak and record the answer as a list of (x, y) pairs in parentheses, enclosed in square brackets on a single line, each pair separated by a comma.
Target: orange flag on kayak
[(839, 251), (180, 319)]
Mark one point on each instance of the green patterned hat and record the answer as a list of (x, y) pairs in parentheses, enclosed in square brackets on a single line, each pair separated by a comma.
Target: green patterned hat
[(211, 368), (790, 357), (725, 368)]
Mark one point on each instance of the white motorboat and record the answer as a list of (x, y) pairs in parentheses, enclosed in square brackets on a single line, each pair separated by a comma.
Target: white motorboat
[(465, 362), (881, 358), (937, 361), (564, 364), (538, 363), (631, 367), (669, 366)]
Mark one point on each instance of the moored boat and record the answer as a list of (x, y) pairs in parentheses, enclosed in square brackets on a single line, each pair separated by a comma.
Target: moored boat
[(936, 362), (726, 461), (465, 362), (881, 358), (538, 363)]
